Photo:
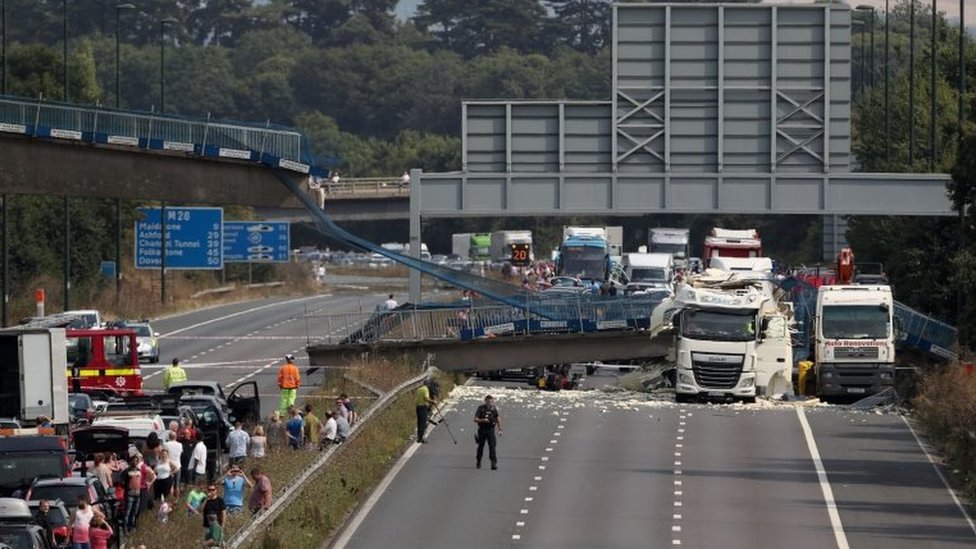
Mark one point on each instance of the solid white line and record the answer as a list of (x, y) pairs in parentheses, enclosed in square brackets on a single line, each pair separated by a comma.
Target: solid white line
[(839, 536), (373, 498), (239, 313), (952, 493)]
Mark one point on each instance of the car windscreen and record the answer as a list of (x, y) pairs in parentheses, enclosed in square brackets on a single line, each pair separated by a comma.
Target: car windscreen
[(142, 330), (55, 516), (65, 492), (17, 536), (21, 469)]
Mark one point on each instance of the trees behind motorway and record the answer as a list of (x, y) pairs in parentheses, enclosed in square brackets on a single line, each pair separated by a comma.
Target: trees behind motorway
[(384, 95)]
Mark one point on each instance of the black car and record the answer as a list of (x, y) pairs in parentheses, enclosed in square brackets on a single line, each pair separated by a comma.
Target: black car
[(58, 517), (24, 458), (18, 527)]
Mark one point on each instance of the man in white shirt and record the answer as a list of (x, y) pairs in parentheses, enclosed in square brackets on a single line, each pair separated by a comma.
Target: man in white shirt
[(237, 441), (329, 430), (198, 461), (390, 303), (175, 450)]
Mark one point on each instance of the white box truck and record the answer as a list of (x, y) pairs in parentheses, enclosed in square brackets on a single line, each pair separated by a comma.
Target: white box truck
[(33, 375)]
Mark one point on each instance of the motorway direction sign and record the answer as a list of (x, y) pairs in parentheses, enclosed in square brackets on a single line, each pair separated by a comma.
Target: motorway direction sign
[(194, 238), (257, 241)]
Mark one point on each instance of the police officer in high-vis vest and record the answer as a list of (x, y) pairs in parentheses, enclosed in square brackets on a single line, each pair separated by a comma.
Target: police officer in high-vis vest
[(173, 374)]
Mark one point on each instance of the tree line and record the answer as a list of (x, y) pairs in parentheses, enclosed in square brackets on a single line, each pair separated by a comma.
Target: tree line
[(382, 94)]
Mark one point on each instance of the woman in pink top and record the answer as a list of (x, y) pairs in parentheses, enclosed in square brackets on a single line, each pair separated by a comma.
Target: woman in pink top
[(100, 533), (81, 525)]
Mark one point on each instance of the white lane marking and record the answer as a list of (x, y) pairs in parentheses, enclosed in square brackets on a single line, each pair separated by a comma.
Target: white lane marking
[(533, 488), (528, 499), (676, 516), (676, 542), (519, 524), (239, 313), (677, 504), (235, 337), (373, 498), (839, 535), (677, 483), (678, 493), (677, 472), (675, 528), (537, 478), (523, 511), (516, 537), (952, 493), (542, 467)]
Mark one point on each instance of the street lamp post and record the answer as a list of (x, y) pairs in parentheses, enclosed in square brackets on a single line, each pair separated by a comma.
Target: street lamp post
[(911, 85), (64, 37), (933, 107), (118, 79), (860, 82), (960, 294), (118, 201), (887, 112), (3, 48), (162, 61), (870, 12), (962, 67)]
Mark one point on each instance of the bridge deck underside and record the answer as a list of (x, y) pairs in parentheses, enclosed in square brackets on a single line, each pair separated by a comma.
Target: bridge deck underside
[(503, 352)]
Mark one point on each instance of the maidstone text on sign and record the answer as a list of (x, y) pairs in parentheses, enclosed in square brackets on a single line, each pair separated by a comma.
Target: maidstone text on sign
[(194, 238)]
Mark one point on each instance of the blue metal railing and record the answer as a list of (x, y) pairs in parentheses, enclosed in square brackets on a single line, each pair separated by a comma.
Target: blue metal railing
[(268, 144)]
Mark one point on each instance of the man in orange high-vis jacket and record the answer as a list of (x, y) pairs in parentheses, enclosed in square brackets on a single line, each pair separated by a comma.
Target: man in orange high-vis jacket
[(289, 380)]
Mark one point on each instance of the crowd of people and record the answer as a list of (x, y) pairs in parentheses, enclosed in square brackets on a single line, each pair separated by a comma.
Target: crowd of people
[(169, 474)]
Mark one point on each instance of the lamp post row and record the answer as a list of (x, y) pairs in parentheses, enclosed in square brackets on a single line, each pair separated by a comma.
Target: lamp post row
[(933, 71), (4, 243)]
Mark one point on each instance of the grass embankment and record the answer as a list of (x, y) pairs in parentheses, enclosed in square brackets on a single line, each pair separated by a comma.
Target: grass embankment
[(946, 410), (282, 465), (322, 507)]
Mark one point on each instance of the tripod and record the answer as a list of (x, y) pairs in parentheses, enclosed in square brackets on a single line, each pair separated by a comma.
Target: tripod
[(441, 420)]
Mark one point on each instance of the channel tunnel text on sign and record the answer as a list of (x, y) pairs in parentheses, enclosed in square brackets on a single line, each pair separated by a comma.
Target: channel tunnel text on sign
[(257, 242), (194, 238)]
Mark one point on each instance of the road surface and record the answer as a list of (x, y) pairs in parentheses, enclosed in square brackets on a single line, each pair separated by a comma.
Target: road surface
[(591, 469), (247, 341)]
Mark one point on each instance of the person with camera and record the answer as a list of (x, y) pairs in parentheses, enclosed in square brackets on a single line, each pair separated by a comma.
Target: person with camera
[(487, 418)]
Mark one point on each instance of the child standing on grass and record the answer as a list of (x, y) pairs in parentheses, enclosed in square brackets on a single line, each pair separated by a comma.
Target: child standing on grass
[(215, 534)]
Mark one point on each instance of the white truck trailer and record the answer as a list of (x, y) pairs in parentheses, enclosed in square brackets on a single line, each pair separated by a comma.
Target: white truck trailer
[(670, 241), (33, 375)]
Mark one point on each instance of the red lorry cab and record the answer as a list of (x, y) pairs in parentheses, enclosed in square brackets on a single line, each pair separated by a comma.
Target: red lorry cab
[(106, 359)]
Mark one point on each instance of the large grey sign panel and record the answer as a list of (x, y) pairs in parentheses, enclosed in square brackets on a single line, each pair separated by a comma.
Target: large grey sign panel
[(472, 194), (739, 108), (731, 88)]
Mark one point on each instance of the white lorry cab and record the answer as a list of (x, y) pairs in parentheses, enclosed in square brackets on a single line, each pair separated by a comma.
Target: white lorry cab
[(647, 271), (855, 340), (762, 265), (732, 341)]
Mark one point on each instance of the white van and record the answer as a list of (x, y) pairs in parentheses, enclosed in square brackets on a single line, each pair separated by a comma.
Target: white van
[(648, 271), (90, 318)]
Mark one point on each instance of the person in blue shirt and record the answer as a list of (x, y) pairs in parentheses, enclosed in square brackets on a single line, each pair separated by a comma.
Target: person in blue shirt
[(234, 482), (294, 428)]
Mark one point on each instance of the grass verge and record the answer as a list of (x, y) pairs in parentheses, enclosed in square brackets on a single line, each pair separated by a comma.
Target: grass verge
[(946, 410), (348, 479), (282, 465)]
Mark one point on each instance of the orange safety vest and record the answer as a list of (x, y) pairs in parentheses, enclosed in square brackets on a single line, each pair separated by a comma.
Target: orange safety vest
[(288, 377)]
